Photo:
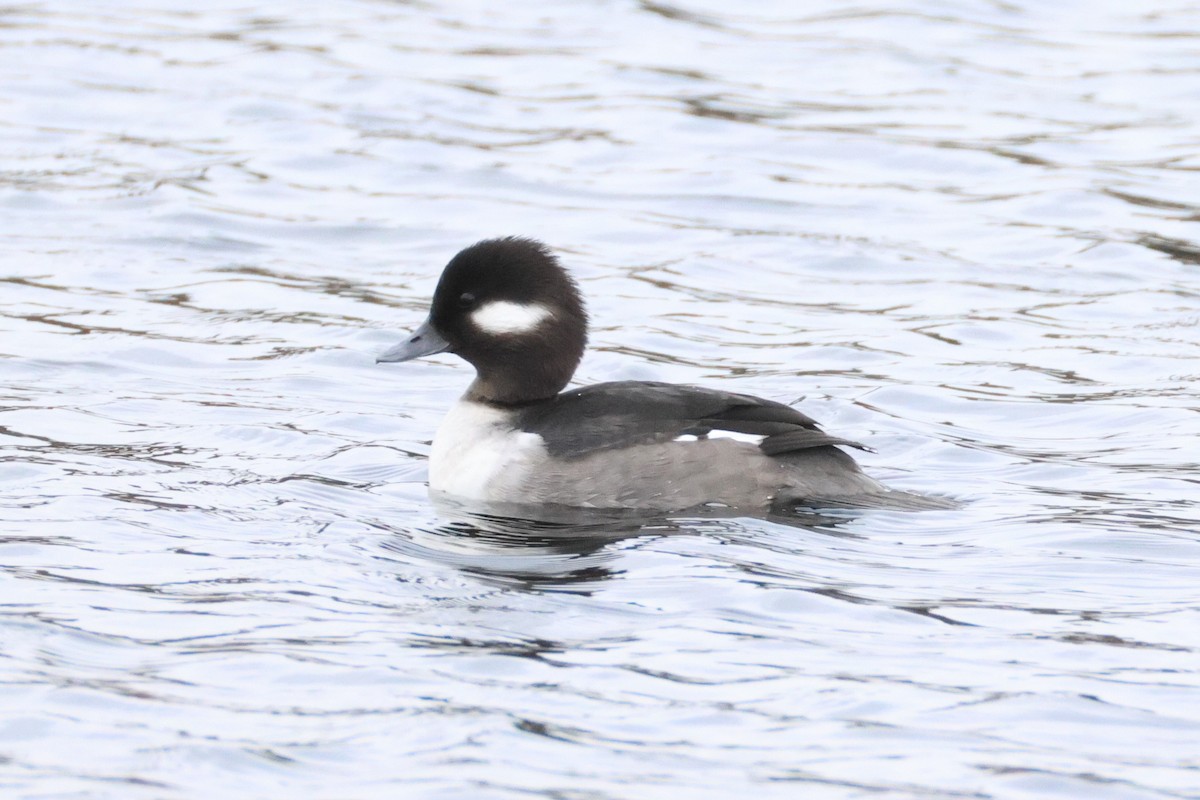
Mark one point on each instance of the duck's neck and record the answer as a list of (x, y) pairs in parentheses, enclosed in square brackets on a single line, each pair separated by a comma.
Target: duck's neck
[(530, 371), (502, 387)]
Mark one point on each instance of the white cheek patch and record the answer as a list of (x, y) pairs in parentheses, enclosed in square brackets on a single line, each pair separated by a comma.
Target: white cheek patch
[(501, 317)]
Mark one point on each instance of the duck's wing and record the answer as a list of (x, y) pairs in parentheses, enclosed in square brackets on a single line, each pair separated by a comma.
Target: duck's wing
[(626, 413)]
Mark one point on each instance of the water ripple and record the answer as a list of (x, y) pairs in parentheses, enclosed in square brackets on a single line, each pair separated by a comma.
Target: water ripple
[(963, 234)]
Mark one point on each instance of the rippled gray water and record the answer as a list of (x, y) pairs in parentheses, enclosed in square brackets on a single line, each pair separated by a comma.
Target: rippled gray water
[(965, 233)]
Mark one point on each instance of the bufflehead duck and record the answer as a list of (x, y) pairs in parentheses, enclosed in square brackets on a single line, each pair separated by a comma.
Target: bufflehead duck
[(508, 308)]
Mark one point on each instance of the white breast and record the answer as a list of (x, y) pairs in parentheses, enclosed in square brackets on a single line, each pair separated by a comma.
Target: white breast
[(477, 454)]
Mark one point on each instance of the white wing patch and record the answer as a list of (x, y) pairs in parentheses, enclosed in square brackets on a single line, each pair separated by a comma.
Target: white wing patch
[(503, 317), (749, 438)]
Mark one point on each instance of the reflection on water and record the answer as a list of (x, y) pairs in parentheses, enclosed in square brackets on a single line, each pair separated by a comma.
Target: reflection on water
[(963, 234), (524, 553), (546, 548)]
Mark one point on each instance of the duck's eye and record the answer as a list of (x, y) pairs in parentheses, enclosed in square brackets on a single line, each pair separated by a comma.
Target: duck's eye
[(466, 300)]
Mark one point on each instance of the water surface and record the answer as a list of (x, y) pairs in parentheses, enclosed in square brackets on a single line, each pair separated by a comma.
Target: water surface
[(964, 233)]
